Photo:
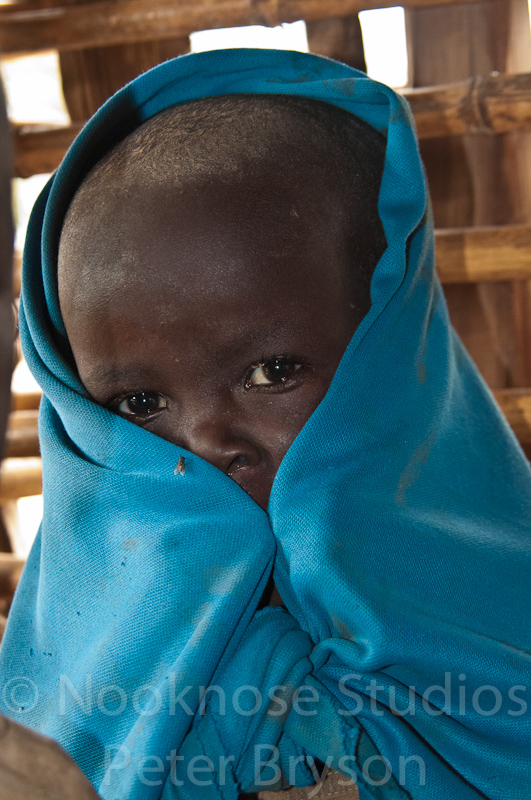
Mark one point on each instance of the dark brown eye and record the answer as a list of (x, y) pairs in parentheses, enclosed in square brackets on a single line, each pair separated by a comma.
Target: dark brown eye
[(272, 373), (142, 404)]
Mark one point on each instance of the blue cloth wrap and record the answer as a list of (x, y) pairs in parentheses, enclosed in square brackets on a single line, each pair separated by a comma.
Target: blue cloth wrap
[(398, 531)]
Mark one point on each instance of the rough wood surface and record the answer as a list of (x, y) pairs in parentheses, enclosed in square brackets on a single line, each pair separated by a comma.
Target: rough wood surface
[(495, 253), (24, 401), (492, 103), (464, 255), (22, 437), (516, 405), (335, 786), (11, 566), (114, 22), (90, 76), (41, 148), (473, 180), (6, 274), (20, 477), (339, 38), (10, 570), (519, 60)]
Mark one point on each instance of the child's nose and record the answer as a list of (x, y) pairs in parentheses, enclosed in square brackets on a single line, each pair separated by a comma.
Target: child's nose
[(217, 442)]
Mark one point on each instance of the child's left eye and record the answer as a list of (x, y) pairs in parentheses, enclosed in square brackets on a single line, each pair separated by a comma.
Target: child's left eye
[(141, 404), (272, 373)]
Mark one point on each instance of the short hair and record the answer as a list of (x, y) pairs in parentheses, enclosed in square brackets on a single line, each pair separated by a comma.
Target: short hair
[(235, 138)]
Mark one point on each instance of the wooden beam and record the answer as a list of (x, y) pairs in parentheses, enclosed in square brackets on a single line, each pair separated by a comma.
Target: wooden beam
[(486, 104), (516, 405), (40, 148), (20, 477), (25, 401), (496, 253), (22, 438), (111, 22), (10, 567)]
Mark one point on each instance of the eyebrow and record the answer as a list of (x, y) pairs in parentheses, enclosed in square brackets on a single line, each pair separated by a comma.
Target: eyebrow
[(245, 345), (260, 338), (116, 374)]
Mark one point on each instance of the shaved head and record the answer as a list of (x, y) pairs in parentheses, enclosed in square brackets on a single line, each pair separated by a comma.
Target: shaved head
[(319, 150)]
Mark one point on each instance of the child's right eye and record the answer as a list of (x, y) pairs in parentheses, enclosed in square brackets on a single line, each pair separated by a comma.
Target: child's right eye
[(272, 373), (142, 404)]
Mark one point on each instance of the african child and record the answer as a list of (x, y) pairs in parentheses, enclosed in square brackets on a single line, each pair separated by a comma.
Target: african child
[(249, 375)]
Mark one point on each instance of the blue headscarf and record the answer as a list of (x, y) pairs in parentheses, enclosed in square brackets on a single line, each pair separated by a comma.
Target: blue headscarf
[(398, 531)]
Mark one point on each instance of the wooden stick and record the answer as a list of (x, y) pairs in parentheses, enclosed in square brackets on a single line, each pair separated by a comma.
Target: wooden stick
[(25, 401), (10, 565), (485, 104), (110, 22), (40, 148), (20, 477), (17, 272), (516, 405), (22, 438), (497, 253)]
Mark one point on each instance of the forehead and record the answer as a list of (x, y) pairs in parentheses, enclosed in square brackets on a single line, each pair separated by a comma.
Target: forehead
[(213, 234), (213, 244), (219, 205)]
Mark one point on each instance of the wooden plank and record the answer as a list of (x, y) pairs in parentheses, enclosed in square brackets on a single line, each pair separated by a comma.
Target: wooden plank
[(519, 169), (10, 566), (485, 104), (22, 438), (6, 273), (17, 272), (339, 38), (494, 253), (25, 401), (90, 76), (40, 148), (20, 477), (111, 22), (10, 569), (468, 175), (516, 405), (464, 255)]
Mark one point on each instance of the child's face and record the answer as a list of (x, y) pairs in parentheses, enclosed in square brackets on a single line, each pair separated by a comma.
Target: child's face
[(214, 318)]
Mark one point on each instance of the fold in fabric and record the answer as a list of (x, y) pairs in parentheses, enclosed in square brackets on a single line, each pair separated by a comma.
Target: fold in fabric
[(398, 531)]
